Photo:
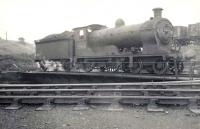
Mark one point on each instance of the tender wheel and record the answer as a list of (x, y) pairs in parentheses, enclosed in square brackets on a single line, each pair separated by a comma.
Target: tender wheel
[(125, 67), (88, 67), (102, 69), (42, 65), (66, 66), (160, 66), (137, 66)]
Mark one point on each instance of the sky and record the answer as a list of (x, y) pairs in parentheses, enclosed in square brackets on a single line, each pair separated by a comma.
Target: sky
[(35, 19)]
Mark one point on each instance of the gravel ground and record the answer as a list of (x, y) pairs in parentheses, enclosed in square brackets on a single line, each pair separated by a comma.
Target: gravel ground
[(63, 117)]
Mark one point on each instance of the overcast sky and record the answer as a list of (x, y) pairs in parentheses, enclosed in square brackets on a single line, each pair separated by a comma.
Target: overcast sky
[(34, 19)]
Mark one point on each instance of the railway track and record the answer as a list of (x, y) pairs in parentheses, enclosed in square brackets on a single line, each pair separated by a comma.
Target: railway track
[(152, 94), (92, 77)]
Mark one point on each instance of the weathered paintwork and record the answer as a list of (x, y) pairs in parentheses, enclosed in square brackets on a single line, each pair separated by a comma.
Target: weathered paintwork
[(154, 36)]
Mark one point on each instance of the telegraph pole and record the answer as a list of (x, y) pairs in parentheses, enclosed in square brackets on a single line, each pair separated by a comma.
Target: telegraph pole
[(6, 35)]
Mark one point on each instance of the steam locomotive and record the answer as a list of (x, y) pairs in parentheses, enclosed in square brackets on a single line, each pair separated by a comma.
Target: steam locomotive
[(125, 48)]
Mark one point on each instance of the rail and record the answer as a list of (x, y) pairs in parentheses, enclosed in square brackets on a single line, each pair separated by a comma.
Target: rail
[(166, 83), (150, 93)]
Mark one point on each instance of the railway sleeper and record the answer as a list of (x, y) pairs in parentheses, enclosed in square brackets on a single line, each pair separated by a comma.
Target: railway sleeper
[(46, 105), (152, 103), (14, 105), (115, 103), (153, 107), (194, 107), (81, 105), (115, 106)]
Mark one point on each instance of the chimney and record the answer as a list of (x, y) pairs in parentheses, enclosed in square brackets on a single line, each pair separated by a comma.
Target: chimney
[(157, 13)]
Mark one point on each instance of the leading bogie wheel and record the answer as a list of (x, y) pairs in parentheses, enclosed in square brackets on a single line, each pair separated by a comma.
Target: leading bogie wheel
[(179, 66), (149, 69)]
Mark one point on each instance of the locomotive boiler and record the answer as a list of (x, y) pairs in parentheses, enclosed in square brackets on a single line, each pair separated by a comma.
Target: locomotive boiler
[(125, 48), (154, 34)]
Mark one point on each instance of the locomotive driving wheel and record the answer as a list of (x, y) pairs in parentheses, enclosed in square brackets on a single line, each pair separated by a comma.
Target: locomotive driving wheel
[(149, 69), (160, 66), (137, 66), (112, 67), (179, 65)]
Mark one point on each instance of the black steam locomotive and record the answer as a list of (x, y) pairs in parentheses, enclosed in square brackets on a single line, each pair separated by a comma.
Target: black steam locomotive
[(133, 48)]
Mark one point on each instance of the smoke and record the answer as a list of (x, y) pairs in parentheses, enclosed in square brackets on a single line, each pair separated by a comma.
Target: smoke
[(191, 52)]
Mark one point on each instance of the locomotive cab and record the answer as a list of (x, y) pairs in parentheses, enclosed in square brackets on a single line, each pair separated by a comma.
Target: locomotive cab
[(81, 35)]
